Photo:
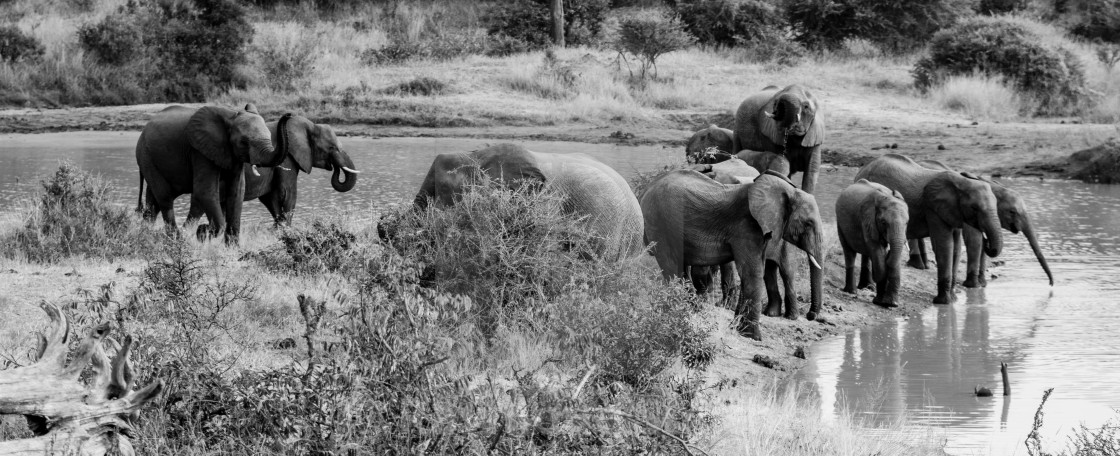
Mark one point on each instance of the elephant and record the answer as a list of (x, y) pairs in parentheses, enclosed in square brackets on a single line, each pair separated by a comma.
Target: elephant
[(310, 145), (871, 221), (694, 220), (787, 121), (764, 161), (710, 145), (1013, 217), (587, 187), (729, 172), (202, 152), (940, 204)]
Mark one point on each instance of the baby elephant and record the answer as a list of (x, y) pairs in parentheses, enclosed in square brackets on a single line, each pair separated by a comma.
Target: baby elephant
[(872, 219)]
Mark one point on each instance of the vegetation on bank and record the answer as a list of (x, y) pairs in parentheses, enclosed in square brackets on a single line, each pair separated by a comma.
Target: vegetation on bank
[(342, 61)]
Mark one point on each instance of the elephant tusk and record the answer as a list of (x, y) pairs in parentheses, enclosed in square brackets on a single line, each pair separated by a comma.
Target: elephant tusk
[(255, 173), (352, 171), (814, 261), (283, 168)]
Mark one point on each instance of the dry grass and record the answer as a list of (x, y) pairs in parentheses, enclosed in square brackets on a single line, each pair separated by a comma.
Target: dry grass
[(979, 97)]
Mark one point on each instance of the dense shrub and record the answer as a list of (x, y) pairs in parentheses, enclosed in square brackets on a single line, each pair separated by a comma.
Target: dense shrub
[(893, 25), (16, 45), (198, 47), (75, 215), (647, 39), (731, 23), (994, 7), (1094, 19), (422, 86), (531, 21), (287, 61), (323, 246), (440, 46), (115, 40), (1052, 77)]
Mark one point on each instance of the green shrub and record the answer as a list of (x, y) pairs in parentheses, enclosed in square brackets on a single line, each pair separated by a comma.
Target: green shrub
[(893, 25), (197, 47), (731, 23), (324, 245), (994, 7), (286, 62), (441, 46), (647, 39), (18, 46), (1052, 77), (422, 86), (115, 40), (75, 216), (531, 21), (1094, 19)]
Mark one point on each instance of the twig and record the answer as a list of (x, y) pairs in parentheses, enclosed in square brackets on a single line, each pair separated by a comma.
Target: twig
[(685, 445), (579, 388), (1034, 444)]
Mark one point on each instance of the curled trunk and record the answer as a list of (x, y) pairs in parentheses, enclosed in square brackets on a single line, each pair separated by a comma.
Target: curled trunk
[(1028, 231), (338, 161)]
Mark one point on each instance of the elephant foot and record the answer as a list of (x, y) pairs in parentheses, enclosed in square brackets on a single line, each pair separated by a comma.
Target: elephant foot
[(749, 330), (887, 303), (917, 263), (202, 233), (942, 298), (792, 315), (849, 290), (773, 311), (810, 315), (975, 282)]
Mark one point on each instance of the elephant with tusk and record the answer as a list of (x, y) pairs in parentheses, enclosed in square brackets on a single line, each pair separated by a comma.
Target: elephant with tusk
[(203, 152), (940, 204), (786, 121), (1013, 217), (309, 145), (694, 220)]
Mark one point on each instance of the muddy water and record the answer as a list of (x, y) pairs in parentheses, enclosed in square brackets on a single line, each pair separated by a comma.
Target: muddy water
[(921, 370)]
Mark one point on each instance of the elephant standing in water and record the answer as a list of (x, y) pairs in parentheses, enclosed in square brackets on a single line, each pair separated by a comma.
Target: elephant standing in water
[(1013, 217), (871, 220), (202, 152), (788, 122), (694, 220), (940, 204), (587, 186), (309, 145)]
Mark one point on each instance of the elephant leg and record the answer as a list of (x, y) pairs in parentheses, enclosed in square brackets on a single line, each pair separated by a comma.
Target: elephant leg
[(232, 191), (727, 282), (701, 278), (750, 294), (849, 271), (942, 240), (773, 294), (865, 272), (206, 193), (195, 211), (958, 245), (918, 254), (974, 248), (809, 179), (789, 278)]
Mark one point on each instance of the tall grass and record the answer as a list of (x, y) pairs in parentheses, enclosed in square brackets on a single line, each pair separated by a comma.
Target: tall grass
[(979, 97)]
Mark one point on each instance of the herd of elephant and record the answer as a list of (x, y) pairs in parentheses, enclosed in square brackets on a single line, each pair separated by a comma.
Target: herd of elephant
[(733, 209)]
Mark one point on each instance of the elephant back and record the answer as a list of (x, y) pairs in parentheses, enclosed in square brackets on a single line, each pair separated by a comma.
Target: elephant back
[(749, 117), (592, 189)]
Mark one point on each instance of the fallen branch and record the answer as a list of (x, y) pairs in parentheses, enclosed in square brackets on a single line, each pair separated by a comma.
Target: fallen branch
[(619, 413)]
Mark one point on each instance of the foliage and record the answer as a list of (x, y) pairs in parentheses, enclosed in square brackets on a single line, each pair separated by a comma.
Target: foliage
[(115, 40), (531, 21), (441, 46), (323, 246), (893, 25), (731, 23), (994, 7), (1094, 19), (197, 47), (1085, 441), (74, 216), (421, 86), (1108, 54), (1052, 77), (647, 39), (286, 62), (17, 46)]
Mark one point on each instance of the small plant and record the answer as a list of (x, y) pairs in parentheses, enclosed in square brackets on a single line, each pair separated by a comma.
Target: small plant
[(322, 246), (17, 46), (647, 39), (422, 86)]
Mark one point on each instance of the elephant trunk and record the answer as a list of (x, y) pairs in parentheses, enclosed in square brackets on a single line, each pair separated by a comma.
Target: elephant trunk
[(816, 274), (893, 265), (341, 163), (993, 236), (1028, 231)]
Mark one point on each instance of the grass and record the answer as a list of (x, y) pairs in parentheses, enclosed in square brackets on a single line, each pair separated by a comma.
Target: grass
[(979, 97)]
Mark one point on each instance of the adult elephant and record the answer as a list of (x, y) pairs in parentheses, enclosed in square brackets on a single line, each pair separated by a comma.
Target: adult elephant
[(871, 221), (788, 121), (309, 145), (940, 204), (710, 145), (587, 187), (1013, 217), (202, 152), (728, 172), (694, 220)]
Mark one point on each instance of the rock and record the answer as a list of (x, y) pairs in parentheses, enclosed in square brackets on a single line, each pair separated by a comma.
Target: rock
[(120, 270), (894, 145), (940, 147), (981, 391), (799, 352), (765, 361), (1100, 164)]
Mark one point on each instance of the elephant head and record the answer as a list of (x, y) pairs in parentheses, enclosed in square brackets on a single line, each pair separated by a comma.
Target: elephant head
[(964, 198), (710, 145), (231, 138), (766, 161), (316, 146), (883, 219), (793, 114), (788, 214), (450, 174), (1013, 217)]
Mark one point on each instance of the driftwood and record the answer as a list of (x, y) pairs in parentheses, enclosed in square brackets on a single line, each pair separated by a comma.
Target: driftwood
[(67, 416)]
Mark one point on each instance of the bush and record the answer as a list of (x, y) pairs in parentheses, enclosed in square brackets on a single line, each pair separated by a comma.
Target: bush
[(442, 46), (324, 246), (647, 39), (74, 216), (197, 47), (893, 25), (287, 61), (422, 86), (18, 46), (1051, 77), (531, 21), (1095, 19), (115, 40), (994, 7), (730, 23)]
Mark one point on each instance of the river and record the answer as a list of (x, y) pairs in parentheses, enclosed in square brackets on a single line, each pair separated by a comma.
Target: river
[(918, 371)]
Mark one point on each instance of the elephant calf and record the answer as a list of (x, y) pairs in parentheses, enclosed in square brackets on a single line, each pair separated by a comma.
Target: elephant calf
[(871, 220), (710, 145)]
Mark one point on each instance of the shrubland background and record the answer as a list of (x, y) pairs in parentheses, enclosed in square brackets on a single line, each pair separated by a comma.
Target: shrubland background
[(448, 63)]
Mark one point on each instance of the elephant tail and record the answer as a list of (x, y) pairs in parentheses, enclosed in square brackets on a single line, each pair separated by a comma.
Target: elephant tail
[(140, 197)]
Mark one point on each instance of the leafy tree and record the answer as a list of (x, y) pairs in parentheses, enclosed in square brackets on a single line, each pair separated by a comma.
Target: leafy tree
[(647, 39), (895, 26)]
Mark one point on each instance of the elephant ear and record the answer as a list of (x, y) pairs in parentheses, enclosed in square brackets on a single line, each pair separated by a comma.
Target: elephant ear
[(768, 199), (768, 120), (869, 220), (941, 195), (297, 133), (208, 133), (814, 135)]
